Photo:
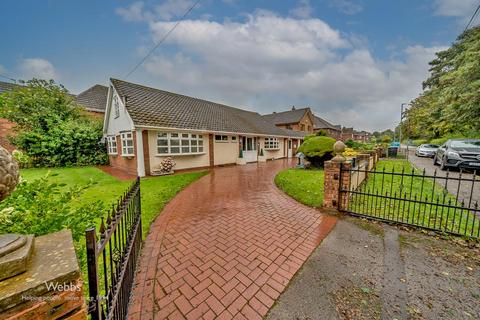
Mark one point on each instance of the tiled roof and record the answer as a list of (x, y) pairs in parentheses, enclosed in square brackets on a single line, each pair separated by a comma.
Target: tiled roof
[(94, 98), (7, 86), (290, 116), (162, 109), (320, 123)]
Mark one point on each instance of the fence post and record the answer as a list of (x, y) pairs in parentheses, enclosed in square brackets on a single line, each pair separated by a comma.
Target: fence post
[(91, 241)]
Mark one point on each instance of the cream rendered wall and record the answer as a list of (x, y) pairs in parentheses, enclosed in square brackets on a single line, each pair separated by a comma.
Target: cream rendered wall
[(182, 161), (225, 152), (271, 154)]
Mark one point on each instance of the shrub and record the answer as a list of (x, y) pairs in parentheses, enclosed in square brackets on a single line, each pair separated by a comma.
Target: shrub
[(51, 128), (349, 152), (73, 142), (386, 139), (40, 207), (317, 150), (22, 159)]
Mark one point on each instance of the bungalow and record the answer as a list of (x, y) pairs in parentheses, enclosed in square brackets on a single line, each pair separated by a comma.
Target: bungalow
[(143, 126), (94, 100)]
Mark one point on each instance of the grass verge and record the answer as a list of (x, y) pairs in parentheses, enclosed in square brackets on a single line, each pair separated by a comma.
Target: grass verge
[(305, 186), (411, 199)]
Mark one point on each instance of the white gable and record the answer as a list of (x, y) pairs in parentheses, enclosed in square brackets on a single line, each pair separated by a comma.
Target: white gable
[(117, 118)]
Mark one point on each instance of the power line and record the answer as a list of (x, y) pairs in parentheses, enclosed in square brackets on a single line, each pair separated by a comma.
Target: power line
[(471, 19), (163, 39)]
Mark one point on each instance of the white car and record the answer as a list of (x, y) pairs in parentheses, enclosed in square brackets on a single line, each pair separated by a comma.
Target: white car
[(426, 150)]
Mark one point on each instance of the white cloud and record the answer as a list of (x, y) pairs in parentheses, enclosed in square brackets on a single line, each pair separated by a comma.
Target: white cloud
[(37, 68), (303, 11), (167, 10), (346, 6), (455, 8), (268, 62), (133, 13)]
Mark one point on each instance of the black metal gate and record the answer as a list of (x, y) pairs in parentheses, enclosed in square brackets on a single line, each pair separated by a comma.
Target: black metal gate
[(113, 258), (413, 198)]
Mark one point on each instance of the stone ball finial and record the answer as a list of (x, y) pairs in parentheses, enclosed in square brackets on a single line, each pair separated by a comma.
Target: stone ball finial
[(9, 173), (338, 149)]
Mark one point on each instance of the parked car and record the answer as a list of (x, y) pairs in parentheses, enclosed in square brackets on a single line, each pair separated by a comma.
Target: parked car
[(458, 153), (426, 150)]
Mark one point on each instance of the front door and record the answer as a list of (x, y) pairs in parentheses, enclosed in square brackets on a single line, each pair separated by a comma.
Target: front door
[(289, 150), (249, 147)]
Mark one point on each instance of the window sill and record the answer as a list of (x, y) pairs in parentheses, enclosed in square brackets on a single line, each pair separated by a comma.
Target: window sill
[(275, 149), (179, 154), (221, 141)]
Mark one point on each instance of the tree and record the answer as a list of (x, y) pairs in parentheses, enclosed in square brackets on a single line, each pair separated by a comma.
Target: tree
[(51, 128), (386, 139), (450, 104)]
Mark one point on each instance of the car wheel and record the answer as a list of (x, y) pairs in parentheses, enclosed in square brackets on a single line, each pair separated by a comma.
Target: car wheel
[(443, 164)]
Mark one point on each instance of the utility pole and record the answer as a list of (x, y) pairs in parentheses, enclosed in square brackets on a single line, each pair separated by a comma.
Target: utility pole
[(402, 113)]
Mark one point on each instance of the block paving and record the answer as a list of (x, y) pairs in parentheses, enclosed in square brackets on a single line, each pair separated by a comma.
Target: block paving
[(225, 247)]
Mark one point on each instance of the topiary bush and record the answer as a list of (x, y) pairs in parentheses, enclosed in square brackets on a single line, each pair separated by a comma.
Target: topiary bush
[(317, 150)]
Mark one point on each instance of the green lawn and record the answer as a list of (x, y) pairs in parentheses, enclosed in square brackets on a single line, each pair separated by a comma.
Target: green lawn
[(305, 186), (416, 200), (155, 191)]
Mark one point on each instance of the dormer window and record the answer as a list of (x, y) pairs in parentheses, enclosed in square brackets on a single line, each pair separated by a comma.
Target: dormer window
[(116, 107)]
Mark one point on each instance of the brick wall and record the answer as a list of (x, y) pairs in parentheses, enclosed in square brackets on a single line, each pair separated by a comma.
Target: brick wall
[(6, 129), (127, 164)]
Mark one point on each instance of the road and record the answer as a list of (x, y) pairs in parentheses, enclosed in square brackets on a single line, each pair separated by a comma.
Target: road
[(464, 190)]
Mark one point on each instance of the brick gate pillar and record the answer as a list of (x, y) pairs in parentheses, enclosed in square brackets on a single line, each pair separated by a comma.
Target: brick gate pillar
[(334, 180)]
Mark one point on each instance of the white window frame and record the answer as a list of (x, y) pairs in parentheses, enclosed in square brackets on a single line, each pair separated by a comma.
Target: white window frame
[(221, 138), (127, 150), (112, 145), (116, 107), (271, 144), (179, 143)]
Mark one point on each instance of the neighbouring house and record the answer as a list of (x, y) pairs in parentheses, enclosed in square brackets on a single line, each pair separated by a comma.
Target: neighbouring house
[(358, 136), (94, 100), (294, 119), (303, 120), (145, 125), (334, 131)]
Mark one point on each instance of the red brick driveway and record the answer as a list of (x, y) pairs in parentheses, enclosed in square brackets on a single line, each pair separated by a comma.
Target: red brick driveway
[(225, 247)]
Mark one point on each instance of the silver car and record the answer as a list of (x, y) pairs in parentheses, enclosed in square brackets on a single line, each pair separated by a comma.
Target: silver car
[(426, 150)]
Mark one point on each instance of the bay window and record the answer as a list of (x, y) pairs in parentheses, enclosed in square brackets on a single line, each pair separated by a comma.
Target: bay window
[(171, 143)]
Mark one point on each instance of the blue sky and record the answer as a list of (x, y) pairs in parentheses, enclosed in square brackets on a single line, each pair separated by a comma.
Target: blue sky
[(352, 62)]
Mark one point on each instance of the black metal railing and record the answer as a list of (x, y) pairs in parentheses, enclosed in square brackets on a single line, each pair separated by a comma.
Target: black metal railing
[(113, 257), (446, 203)]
